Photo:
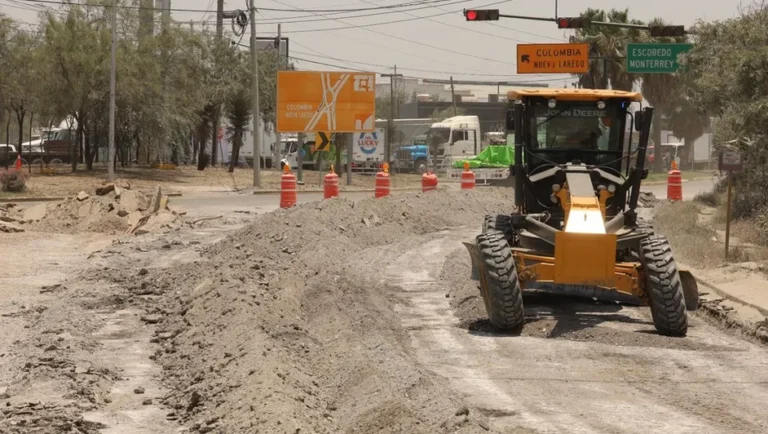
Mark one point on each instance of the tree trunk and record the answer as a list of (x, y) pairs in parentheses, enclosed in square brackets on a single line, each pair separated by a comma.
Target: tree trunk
[(20, 115), (236, 144), (215, 138), (75, 146), (201, 157), (658, 164)]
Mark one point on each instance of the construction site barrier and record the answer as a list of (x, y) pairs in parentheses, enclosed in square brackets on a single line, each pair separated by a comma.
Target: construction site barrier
[(467, 178), (675, 185), (382, 183), (428, 182), (331, 185), (287, 188)]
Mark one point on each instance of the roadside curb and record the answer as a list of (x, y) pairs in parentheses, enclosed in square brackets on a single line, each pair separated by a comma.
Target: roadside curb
[(55, 199), (665, 182), (712, 309), (31, 199), (367, 190), (732, 298)]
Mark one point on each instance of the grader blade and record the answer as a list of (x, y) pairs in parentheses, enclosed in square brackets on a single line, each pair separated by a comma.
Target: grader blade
[(690, 290), (474, 253)]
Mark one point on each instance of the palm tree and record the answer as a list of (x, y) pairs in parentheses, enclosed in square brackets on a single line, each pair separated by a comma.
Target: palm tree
[(608, 45), (661, 91), (238, 112), (203, 132)]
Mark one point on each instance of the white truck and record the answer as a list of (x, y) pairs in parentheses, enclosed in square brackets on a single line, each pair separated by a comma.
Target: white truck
[(367, 150), (453, 139)]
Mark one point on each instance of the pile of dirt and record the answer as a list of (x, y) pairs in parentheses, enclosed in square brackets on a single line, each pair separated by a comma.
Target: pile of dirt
[(112, 209), (280, 328)]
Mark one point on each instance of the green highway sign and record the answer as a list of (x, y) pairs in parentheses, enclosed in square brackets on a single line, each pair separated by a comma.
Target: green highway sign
[(654, 58)]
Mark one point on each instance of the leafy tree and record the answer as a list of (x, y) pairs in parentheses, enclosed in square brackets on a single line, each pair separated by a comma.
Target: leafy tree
[(726, 74)]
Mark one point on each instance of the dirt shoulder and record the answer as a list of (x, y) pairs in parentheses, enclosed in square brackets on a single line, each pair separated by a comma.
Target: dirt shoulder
[(733, 291), (185, 179)]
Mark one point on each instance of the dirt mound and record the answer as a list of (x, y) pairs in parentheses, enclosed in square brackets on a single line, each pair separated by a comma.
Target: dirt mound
[(281, 328), (112, 209)]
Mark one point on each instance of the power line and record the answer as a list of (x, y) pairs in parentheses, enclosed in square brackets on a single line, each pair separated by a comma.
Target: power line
[(434, 47), (400, 5)]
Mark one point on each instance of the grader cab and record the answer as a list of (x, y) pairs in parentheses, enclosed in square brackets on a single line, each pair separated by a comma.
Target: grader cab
[(577, 187)]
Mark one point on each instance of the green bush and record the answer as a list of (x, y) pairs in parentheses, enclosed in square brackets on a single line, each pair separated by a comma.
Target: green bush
[(13, 181)]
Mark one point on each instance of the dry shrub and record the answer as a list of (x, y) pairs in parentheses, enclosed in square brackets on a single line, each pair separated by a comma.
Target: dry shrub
[(13, 181), (711, 198), (691, 243)]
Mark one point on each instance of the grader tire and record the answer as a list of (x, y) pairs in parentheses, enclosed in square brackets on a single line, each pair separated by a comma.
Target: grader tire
[(499, 285), (499, 222), (664, 288)]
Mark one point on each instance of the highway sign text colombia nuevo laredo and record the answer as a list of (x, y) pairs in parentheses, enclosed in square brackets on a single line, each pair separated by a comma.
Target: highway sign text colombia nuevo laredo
[(654, 58), (333, 102), (552, 58)]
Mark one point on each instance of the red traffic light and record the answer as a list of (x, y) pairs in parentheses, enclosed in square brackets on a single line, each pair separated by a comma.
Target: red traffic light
[(572, 23), (481, 14)]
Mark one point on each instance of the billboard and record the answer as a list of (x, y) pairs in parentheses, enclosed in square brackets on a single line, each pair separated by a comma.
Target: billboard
[(334, 102)]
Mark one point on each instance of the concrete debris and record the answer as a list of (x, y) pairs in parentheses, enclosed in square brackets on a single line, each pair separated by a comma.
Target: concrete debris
[(35, 213), (9, 227), (105, 212), (647, 199)]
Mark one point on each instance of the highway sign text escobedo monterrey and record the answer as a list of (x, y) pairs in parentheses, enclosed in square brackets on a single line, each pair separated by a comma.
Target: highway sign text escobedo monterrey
[(552, 58), (654, 58), (334, 102)]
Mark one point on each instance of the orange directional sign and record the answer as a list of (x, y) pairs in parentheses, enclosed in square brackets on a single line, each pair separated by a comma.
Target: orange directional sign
[(552, 58), (333, 102)]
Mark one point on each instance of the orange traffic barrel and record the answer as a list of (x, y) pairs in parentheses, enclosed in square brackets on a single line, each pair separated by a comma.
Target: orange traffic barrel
[(331, 185), (428, 182), (382, 182), (287, 188), (467, 178), (674, 185)]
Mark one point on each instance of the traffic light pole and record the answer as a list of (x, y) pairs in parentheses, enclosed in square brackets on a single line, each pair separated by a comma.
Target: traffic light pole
[(493, 15)]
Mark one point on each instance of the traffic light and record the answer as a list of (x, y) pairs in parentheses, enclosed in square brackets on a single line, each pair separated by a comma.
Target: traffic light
[(667, 31), (481, 14), (572, 23)]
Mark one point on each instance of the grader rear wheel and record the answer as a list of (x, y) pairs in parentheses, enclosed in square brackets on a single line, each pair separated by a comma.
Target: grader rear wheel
[(499, 285), (664, 287)]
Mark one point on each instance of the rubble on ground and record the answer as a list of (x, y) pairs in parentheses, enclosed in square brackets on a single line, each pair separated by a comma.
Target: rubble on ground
[(647, 199), (113, 208), (252, 332)]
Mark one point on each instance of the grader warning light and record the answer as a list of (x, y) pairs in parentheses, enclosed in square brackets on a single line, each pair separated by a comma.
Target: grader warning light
[(481, 14), (572, 23)]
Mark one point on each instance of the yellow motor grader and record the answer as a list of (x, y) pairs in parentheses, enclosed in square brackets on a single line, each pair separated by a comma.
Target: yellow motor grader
[(577, 187)]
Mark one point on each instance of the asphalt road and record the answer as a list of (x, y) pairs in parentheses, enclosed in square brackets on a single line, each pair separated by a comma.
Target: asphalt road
[(226, 203)]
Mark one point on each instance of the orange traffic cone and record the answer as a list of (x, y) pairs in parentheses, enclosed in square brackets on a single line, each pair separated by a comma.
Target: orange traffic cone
[(18, 162)]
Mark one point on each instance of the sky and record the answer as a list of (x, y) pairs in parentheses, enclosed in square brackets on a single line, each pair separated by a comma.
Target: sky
[(426, 39)]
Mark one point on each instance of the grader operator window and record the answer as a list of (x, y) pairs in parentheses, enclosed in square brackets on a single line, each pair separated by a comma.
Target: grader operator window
[(574, 126)]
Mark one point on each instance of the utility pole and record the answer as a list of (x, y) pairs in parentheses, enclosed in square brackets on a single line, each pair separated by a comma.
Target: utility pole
[(397, 106), (391, 123), (217, 111), (453, 98), (278, 138), (256, 138), (112, 79)]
